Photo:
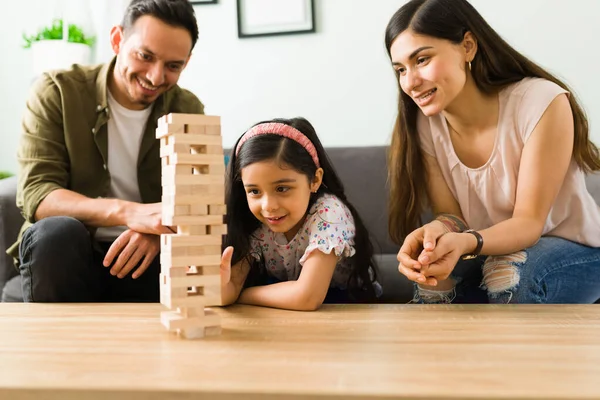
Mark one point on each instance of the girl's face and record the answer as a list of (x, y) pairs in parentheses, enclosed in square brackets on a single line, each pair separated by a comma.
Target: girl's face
[(431, 71), (278, 195)]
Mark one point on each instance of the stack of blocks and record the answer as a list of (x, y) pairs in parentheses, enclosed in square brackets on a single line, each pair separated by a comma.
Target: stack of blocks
[(193, 201)]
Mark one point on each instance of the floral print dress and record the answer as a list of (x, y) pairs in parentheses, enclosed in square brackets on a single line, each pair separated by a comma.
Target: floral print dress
[(328, 227)]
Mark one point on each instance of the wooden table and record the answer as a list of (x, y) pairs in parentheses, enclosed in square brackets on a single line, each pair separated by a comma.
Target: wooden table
[(120, 351)]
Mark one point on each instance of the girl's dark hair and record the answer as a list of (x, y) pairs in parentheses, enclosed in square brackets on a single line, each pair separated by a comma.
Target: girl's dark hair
[(178, 13), (241, 223), (495, 66)]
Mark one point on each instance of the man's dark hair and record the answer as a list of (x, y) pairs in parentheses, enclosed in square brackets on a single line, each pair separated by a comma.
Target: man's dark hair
[(178, 13)]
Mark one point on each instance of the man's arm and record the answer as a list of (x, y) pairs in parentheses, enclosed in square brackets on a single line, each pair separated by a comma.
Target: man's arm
[(45, 169), (102, 212), (42, 153)]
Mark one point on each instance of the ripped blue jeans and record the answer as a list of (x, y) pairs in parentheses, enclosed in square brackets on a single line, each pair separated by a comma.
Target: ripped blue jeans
[(553, 271)]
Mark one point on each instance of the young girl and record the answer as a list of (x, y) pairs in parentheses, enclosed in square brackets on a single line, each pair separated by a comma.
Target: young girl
[(294, 239), (498, 148)]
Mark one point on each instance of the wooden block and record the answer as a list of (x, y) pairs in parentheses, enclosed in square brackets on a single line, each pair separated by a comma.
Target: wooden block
[(195, 250), (212, 296), (191, 280), (181, 210), (198, 209), (213, 130), (172, 220), (192, 179), (194, 129), (165, 129), (177, 170), (184, 261), (213, 330), (175, 150), (206, 149), (191, 311), (195, 280), (211, 299), (177, 272), (209, 270), (194, 199), (192, 119), (213, 169), (191, 230), (217, 230), (195, 190), (192, 159), (174, 241), (214, 149), (217, 209), (195, 139), (199, 333), (172, 320), (167, 294), (171, 213), (173, 272)]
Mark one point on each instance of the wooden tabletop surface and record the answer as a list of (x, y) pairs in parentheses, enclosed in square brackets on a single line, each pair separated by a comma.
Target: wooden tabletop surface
[(121, 351)]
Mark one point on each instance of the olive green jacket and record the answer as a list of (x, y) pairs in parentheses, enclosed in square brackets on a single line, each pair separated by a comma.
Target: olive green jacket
[(64, 144)]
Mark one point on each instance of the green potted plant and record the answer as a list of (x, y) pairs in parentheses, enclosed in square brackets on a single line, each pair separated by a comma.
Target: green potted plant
[(58, 46), (5, 174)]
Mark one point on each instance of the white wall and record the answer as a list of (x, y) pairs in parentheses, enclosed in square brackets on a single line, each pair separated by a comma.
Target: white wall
[(338, 78)]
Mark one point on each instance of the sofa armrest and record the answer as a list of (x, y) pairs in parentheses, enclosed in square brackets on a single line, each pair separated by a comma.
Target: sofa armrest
[(10, 224)]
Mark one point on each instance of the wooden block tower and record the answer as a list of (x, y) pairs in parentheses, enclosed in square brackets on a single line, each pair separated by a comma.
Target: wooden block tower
[(193, 181)]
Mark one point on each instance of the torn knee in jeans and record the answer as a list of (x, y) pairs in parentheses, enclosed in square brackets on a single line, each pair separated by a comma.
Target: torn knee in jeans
[(444, 293), (500, 273)]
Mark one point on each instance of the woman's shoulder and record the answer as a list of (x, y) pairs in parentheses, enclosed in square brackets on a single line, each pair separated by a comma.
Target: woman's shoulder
[(531, 89), (525, 102)]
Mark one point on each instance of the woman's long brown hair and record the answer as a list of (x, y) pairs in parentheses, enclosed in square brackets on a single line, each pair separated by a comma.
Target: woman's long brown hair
[(495, 65)]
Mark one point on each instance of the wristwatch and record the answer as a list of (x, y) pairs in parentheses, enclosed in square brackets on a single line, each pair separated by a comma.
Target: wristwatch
[(477, 250)]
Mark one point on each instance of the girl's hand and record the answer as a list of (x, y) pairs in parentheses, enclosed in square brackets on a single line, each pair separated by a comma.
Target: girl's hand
[(442, 260), (226, 266), (416, 244)]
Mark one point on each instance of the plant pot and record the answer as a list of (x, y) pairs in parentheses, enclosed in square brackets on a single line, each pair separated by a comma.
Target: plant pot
[(58, 54)]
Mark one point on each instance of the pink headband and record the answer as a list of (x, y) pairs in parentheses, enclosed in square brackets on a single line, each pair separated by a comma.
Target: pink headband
[(284, 130)]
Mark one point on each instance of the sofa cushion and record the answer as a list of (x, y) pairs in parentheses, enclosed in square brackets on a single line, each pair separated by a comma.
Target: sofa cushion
[(363, 171), (12, 292), (396, 287), (10, 223)]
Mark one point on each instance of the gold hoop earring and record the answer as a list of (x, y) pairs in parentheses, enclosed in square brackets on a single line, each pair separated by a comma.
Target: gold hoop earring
[(469, 65)]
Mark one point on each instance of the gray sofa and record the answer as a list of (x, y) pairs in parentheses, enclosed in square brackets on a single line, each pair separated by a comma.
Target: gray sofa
[(363, 171)]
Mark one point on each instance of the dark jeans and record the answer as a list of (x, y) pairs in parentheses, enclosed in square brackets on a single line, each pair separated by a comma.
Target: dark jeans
[(61, 263)]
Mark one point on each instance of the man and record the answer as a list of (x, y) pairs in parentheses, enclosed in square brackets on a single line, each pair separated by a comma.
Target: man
[(90, 178)]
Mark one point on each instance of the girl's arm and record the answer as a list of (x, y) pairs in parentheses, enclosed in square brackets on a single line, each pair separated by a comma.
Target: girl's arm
[(544, 163), (305, 294)]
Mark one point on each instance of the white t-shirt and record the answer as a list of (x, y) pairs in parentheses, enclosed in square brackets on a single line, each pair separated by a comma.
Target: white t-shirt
[(125, 131)]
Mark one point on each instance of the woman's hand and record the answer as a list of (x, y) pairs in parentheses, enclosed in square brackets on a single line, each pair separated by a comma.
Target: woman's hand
[(421, 241), (439, 263)]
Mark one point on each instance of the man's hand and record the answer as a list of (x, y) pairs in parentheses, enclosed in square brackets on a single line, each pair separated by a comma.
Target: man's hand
[(145, 218), (129, 249)]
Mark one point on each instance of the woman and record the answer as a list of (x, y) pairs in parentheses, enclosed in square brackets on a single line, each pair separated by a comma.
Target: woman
[(498, 148)]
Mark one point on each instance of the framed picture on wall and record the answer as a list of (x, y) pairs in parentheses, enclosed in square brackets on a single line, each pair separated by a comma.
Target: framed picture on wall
[(203, 2), (275, 17)]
